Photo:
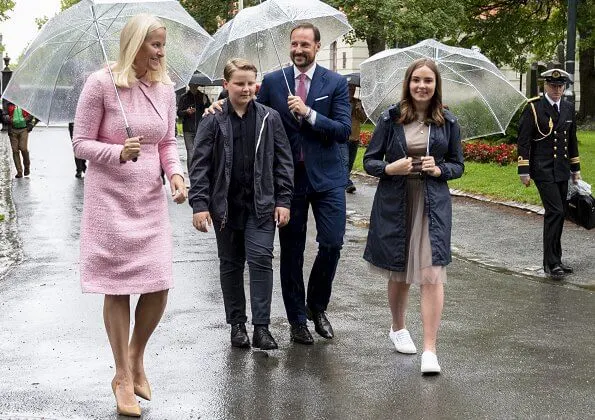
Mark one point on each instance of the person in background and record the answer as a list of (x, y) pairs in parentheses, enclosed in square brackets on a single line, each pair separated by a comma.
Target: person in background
[(247, 141), (19, 138), (126, 242), (81, 164), (548, 154), (415, 149), (358, 116), (191, 106)]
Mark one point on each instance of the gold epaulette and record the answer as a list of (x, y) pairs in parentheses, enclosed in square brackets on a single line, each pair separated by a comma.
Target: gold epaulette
[(523, 162), (534, 99)]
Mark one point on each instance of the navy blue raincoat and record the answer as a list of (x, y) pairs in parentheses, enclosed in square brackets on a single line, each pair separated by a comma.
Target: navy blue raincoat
[(386, 247)]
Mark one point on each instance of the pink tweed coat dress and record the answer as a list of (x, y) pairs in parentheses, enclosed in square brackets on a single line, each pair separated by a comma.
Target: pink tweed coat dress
[(126, 240)]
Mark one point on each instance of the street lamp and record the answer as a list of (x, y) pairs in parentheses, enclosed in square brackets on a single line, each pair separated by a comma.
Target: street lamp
[(571, 49)]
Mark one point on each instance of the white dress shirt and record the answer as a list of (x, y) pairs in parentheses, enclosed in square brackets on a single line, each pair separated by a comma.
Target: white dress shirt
[(309, 75)]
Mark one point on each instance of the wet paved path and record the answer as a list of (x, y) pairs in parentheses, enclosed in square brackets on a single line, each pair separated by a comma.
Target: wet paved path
[(511, 346)]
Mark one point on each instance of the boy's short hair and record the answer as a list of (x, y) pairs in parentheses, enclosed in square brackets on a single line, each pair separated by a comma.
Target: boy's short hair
[(237, 64)]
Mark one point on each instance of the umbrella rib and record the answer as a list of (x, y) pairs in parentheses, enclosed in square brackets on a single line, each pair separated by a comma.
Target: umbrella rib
[(68, 57), (50, 43), (112, 19), (482, 96)]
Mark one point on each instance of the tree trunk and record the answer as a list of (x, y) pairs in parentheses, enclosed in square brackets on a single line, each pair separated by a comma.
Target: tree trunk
[(587, 74), (375, 44)]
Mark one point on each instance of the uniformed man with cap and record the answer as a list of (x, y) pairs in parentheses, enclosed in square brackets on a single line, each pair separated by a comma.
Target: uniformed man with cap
[(548, 154)]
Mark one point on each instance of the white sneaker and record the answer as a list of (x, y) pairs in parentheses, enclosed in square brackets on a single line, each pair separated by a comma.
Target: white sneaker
[(429, 363), (402, 341)]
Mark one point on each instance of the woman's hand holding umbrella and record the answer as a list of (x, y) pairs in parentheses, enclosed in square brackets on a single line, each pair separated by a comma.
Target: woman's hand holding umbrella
[(131, 149)]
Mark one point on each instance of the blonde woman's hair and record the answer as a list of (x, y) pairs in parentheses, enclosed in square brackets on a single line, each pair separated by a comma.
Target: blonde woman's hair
[(237, 64), (132, 37)]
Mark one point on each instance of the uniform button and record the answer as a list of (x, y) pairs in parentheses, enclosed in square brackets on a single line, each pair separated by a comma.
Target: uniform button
[(555, 132), (566, 156), (555, 140), (565, 132), (555, 156), (555, 148), (565, 147)]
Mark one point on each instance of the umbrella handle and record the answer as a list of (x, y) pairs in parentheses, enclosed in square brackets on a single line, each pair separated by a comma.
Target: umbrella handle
[(130, 134)]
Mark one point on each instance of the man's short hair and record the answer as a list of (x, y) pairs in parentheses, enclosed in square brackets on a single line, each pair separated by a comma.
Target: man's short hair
[(307, 25)]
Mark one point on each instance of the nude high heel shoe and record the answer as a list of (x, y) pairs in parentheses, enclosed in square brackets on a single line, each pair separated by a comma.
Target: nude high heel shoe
[(143, 390), (132, 410)]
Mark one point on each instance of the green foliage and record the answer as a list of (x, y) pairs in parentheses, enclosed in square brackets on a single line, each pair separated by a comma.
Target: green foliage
[(5, 6), (586, 23), (401, 22), (509, 32), (211, 14), (65, 4), (40, 21)]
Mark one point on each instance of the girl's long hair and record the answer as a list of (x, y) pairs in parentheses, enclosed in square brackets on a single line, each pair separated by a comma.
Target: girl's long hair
[(435, 114), (132, 37)]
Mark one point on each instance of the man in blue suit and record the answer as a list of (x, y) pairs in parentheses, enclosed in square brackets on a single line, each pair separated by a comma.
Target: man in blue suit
[(317, 119)]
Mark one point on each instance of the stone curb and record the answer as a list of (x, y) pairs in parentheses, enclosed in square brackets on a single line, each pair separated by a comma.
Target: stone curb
[(458, 193)]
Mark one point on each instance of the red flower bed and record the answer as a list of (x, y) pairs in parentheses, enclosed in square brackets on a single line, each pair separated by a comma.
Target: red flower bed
[(364, 138), (502, 154)]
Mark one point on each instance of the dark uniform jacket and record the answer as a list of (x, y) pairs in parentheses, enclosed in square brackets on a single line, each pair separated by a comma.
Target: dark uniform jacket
[(547, 145), (387, 236), (210, 173)]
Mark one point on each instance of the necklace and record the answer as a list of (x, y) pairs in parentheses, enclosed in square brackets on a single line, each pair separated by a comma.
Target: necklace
[(422, 125)]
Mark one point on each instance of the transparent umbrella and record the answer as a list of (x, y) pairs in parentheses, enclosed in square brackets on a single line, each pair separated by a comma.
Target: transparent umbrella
[(81, 40), (472, 87), (256, 33)]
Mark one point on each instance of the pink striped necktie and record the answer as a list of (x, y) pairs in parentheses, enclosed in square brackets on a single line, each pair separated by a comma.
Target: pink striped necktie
[(301, 92), (301, 87)]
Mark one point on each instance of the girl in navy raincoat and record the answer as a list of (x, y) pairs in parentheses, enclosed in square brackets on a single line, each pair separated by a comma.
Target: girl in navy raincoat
[(415, 150)]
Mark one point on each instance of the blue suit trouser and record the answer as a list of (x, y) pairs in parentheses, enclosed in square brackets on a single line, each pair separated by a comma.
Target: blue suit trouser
[(328, 208)]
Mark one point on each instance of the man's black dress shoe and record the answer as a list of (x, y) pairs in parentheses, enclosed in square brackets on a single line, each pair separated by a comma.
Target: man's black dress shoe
[(321, 324), (300, 334), (556, 272), (567, 269), (263, 339), (79, 174), (239, 336)]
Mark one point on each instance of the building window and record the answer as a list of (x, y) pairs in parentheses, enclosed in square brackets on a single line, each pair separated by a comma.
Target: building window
[(344, 60), (333, 51)]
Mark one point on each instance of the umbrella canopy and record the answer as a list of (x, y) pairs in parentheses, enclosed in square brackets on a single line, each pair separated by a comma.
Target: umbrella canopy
[(201, 80), (352, 78), (472, 87), (256, 33), (71, 46)]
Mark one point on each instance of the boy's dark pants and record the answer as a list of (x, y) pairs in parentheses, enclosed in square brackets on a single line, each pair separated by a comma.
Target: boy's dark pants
[(255, 244)]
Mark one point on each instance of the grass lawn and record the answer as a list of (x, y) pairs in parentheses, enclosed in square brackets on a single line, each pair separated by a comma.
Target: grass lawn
[(502, 182)]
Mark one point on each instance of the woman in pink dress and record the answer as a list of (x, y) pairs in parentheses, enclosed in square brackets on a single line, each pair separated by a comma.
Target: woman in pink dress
[(126, 242)]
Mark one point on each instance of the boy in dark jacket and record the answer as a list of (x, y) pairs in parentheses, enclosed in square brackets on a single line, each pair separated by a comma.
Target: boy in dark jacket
[(241, 181)]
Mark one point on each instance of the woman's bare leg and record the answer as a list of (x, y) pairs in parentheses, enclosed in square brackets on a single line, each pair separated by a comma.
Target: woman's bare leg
[(149, 311), (398, 294), (432, 301), (116, 316)]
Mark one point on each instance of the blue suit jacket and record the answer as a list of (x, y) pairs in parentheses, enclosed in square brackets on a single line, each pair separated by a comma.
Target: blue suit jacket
[(329, 97)]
